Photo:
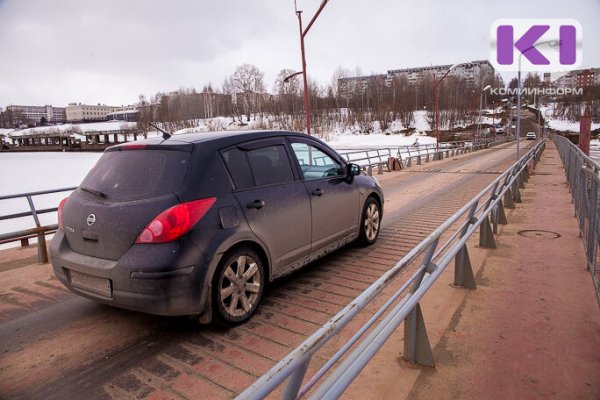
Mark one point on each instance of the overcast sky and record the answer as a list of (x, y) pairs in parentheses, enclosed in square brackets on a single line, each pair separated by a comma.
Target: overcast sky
[(111, 51)]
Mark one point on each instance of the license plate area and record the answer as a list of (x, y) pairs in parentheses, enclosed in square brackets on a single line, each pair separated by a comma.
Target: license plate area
[(89, 283)]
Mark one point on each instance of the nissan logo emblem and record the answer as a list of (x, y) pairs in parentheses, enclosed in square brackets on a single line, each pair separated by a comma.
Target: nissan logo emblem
[(91, 219)]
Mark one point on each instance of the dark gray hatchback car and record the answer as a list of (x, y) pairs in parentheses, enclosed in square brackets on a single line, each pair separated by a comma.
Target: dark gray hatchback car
[(198, 224)]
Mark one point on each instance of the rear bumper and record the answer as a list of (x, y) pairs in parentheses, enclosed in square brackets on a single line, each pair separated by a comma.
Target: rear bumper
[(154, 279)]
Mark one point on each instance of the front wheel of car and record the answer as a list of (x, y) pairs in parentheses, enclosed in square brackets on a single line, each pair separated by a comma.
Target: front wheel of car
[(239, 286), (370, 222)]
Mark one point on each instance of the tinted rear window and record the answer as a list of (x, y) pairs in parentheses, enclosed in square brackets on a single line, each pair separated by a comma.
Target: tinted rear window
[(259, 167), (138, 174)]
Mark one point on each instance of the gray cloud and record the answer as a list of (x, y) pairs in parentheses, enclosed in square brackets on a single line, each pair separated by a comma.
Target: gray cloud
[(111, 51)]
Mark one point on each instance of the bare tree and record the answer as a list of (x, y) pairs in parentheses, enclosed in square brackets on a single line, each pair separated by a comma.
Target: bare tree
[(247, 82)]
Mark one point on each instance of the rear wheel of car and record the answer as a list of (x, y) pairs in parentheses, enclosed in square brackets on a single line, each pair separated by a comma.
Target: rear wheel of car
[(239, 286), (370, 222)]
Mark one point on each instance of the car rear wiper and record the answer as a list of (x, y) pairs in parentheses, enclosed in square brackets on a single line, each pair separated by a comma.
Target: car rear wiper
[(92, 191)]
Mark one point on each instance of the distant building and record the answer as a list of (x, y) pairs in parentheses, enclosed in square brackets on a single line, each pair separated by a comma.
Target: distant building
[(547, 77), (587, 77), (127, 115), (578, 78), (470, 72), (77, 112), (37, 114)]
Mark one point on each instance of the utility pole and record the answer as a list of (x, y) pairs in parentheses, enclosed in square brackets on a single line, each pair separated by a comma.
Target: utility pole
[(302, 35)]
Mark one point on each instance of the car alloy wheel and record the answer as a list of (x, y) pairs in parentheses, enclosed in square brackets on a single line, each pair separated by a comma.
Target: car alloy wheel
[(370, 222), (240, 286)]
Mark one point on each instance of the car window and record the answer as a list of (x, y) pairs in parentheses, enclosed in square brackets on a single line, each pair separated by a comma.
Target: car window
[(315, 163), (237, 164), (263, 166), (138, 174)]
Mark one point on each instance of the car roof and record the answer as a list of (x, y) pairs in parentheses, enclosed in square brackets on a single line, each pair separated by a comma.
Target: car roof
[(221, 138)]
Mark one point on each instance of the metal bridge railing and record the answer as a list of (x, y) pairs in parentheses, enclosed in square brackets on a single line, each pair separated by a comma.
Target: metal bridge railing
[(419, 153), (484, 212), (40, 231), (583, 177)]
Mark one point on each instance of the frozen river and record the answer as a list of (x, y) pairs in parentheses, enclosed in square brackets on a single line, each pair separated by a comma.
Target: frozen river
[(31, 172)]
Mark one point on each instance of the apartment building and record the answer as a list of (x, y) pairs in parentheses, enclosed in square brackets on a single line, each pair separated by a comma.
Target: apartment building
[(470, 71), (37, 114), (578, 78)]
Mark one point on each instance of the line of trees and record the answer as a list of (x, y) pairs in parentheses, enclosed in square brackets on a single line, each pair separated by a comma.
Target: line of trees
[(386, 105)]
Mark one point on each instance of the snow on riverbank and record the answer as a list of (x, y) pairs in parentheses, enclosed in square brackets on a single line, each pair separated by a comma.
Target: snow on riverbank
[(562, 125)]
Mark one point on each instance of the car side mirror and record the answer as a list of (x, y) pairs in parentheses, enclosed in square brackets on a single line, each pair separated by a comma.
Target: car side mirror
[(352, 170)]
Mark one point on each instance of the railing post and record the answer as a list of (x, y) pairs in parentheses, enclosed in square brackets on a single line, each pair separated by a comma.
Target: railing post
[(416, 342), (592, 206), (463, 271), (516, 191), (42, 248), (295, 381), (486, 236), (499, 216)]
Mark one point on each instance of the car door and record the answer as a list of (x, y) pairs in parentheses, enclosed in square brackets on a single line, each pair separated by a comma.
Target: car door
[(334, 202), (274, 200)]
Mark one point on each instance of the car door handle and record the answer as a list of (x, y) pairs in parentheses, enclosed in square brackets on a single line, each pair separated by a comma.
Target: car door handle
[(317, 192), (258, 204)]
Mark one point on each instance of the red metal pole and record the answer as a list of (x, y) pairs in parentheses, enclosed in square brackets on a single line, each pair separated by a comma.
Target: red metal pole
[(435, 102), (585, 127), (306, 102)]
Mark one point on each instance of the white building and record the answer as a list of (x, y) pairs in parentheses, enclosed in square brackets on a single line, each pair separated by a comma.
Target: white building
[(77, 112)]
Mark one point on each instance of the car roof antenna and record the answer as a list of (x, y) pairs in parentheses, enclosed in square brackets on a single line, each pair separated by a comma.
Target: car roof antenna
[(166, 135)]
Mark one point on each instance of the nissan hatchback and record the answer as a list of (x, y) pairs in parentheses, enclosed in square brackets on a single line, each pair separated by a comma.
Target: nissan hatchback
[(199, 224)]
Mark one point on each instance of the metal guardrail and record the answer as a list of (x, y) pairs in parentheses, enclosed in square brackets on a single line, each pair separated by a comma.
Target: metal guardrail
[(484, 212), (583, 175), (380, 157), (38, 231)]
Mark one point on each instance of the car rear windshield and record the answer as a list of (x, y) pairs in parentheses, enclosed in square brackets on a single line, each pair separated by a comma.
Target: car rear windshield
[(137, 174)]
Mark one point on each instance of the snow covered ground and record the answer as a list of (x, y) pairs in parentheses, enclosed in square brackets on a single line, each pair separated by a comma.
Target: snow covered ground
[(76, 128), (562, 125)]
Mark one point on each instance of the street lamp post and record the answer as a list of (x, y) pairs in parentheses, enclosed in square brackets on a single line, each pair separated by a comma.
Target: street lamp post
[(480, 106), (302, 35), (436, 86), (552, 43)]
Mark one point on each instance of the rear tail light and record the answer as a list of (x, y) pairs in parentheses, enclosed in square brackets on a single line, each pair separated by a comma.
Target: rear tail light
[(175, 222), (60, 212)]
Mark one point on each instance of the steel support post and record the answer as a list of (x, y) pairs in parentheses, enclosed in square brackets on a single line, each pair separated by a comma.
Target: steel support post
[(463, 271), (295, 381), (521, 180), (419, 160), (427, 158), (592, 206), (42, 249), (409, 162), (486, 236), (380, 169), (516, 192), (416, 342)]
